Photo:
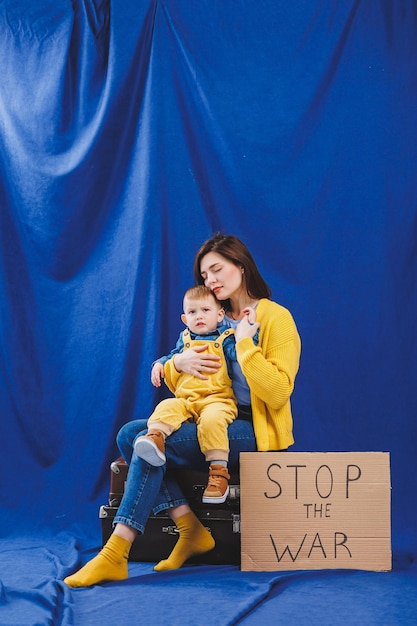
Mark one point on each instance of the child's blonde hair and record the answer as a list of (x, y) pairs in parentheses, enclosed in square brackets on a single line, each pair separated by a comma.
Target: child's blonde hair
[(201, 292)]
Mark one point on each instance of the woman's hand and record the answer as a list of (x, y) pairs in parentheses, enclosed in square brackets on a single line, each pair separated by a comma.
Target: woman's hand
[(195, 362), (247, 326), (157, 374)]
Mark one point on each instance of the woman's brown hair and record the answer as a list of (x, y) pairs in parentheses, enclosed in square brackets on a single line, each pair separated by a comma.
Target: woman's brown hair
[(234, 250)]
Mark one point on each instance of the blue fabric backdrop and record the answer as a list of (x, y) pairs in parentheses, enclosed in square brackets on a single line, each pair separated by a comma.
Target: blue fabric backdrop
[(130, 131)]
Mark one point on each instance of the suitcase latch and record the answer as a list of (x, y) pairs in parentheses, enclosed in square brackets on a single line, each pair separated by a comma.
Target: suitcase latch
[(236, 523), (173, 530), (170, 530)]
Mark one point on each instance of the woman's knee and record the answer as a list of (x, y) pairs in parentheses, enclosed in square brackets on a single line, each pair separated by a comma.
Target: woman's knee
[(127, 434)]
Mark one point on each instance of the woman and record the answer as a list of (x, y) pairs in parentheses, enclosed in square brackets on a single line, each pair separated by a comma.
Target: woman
[(263, 381)]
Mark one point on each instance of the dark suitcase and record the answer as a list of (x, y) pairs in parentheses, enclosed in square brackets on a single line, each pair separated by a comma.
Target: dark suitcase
[(161, 536), (223, 521)]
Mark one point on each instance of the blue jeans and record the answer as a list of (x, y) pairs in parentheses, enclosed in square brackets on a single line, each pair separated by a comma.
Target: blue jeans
[(155, 488)]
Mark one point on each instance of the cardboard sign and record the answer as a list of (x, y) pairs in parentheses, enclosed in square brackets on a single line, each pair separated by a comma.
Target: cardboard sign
[(315, 510)]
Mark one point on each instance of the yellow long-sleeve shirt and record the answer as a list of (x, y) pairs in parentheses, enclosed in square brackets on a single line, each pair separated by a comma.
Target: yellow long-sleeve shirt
[(270, 369)]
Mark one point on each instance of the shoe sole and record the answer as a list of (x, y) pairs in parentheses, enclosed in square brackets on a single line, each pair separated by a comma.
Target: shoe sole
[(149, 452), (219, 500)]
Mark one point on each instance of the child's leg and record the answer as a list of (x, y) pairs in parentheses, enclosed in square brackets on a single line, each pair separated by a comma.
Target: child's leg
[(212, 423), (212, 427), (167, 417)]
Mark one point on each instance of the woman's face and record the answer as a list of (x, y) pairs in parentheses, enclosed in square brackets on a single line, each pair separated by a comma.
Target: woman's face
[(222, 276)]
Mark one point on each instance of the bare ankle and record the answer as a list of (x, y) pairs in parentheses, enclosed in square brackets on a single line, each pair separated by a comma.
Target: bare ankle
[(177, 511), (126, 532)]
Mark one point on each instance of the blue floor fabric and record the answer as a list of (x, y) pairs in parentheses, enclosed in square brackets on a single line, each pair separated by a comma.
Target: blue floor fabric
[(33, 594)]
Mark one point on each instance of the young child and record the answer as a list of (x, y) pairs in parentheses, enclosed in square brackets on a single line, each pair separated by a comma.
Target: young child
[(210, 403)]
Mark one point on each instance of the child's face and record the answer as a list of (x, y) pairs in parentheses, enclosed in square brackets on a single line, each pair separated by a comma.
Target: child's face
[(202, 315)]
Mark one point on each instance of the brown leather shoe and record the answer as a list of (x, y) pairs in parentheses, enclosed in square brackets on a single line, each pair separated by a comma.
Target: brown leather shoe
[(217, 488), (151, 447)]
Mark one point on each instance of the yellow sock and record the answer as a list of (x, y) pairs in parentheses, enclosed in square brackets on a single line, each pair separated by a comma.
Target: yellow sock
[(194, 539), (109, 564)]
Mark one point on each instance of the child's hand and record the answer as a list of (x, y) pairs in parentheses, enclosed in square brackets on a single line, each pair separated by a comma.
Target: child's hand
[(157, 374)]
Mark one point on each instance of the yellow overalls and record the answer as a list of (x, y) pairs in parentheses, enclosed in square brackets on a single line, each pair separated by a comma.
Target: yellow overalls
[(211, 403)]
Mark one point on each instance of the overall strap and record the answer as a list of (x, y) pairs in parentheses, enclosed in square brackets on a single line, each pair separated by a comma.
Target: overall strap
[(186, 338), (226, 333)]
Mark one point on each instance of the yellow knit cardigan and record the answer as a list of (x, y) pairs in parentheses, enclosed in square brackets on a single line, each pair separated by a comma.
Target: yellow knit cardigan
[(270, 369)]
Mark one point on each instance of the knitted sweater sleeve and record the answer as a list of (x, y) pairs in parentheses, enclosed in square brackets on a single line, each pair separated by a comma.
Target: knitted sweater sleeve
[(270, 367)]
